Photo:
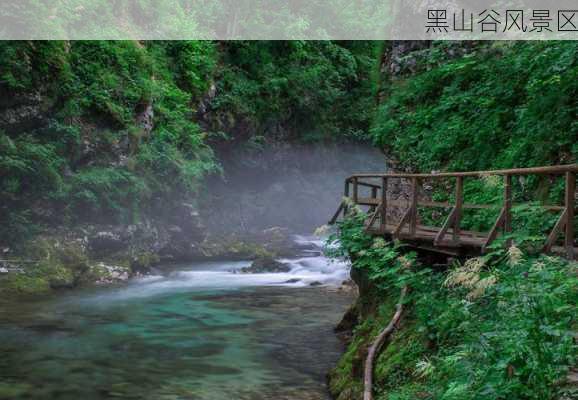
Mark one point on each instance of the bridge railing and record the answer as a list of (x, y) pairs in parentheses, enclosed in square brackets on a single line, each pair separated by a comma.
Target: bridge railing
[(381, 206)]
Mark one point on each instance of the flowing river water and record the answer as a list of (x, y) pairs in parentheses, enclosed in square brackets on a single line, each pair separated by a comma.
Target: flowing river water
[(195, 331)]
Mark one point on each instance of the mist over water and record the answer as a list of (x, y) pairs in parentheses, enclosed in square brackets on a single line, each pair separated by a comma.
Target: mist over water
[(292, 186)]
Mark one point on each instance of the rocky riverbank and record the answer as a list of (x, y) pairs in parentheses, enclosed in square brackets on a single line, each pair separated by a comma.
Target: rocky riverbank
[(109, 254)]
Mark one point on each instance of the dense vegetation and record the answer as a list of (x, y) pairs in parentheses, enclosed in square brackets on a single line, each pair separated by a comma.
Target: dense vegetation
[(117, 132), (492, 108), (114, 131), (495, 327), (111, 131)]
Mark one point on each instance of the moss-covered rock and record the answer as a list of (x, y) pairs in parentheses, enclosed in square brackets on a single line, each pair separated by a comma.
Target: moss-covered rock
[(61, 262), (266, 264), (102, 273), (142, 262), (233, 247)]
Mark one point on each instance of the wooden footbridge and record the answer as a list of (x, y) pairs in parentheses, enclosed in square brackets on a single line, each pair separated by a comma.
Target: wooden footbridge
[(396, 200)]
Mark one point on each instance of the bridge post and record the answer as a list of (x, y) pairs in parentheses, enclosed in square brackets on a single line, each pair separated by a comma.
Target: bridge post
[(383, 211), (458, 207), (508, 205), (373, 208), (570, 204), (413, 206), (355, 190), (346, 194)]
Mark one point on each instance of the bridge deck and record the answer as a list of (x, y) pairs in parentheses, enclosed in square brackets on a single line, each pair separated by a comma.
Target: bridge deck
[(450, 238)]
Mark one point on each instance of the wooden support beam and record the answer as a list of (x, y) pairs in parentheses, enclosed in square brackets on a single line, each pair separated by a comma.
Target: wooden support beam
[(355, 190), (373, 196), (372, 219), (570, 202), (508, 206), (383, 212), (494, 231), (458, 207), (336, 215), (450, 221), (402, 222), (346, 194), (560, 224)]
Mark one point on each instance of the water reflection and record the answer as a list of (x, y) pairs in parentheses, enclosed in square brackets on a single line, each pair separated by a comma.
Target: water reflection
[(195, 332)]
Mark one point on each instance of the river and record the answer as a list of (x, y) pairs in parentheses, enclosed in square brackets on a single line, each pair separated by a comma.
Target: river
[(199, 331)]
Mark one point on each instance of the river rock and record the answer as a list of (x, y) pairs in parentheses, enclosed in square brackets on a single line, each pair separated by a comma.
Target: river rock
[(266, 265), (107, 274), (348, 286)]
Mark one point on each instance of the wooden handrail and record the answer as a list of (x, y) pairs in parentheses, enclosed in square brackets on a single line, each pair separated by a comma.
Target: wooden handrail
[(361, 183), (379, 205), (553, 170)]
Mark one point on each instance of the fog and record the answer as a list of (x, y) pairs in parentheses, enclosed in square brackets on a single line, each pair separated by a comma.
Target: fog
[(293, 186)]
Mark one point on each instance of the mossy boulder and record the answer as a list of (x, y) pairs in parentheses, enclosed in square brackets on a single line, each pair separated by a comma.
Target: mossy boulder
[(141, 263), (234, 248), (266, 264), (61, 277), (102, 273)]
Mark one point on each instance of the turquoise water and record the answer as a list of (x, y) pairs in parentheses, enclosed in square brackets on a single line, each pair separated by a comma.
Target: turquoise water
[(192, 332)]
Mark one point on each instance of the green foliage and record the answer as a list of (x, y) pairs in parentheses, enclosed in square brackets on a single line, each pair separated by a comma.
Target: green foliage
[(104, 192), (194, 64), (486, 110), (497, 327), (502, 105), (73, 163), (86, 155), (26, 163), (318, 90), (50, 265)]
